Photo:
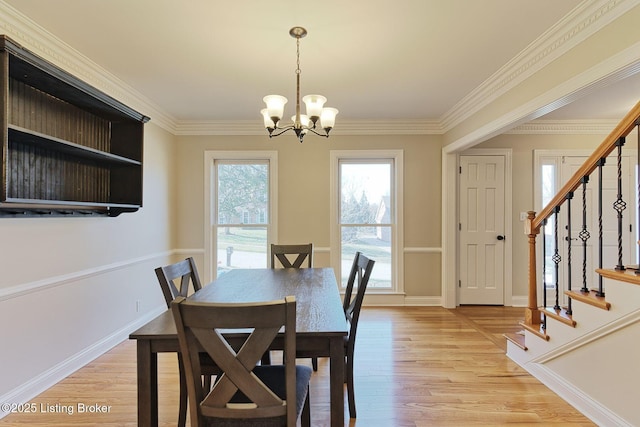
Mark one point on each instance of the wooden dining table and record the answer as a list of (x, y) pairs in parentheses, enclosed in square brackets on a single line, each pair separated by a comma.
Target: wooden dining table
[(321, 326)]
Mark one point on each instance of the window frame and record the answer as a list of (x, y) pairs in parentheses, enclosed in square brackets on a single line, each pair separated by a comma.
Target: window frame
[(210, 200), (397, 200)]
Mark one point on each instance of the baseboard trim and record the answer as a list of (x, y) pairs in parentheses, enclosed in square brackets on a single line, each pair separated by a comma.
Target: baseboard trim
[(572, 395), (519, 301), (400, 300), (62, 370)]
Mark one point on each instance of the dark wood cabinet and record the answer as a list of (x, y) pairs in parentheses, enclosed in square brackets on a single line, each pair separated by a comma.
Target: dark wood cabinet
[(68, 149)]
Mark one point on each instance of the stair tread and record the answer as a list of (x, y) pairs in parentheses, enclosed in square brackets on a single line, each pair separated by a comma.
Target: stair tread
[(629, 275), (590, 298), (536, 329), (517, 338), (559, 315)]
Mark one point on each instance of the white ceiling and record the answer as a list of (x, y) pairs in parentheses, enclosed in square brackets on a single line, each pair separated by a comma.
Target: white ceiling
[(201, 60)]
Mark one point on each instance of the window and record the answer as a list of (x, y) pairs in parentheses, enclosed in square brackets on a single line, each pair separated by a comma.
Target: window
[(548, 173), (367, 206), (240, 210)]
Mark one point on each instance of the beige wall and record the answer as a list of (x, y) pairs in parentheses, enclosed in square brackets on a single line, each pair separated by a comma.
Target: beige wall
[(303, 194)]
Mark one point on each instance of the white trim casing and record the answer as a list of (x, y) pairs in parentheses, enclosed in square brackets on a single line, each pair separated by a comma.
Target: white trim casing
[(397, 252), (209, 177)]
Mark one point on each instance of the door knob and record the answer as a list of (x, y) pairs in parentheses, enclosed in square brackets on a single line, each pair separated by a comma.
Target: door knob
[(500, 237)]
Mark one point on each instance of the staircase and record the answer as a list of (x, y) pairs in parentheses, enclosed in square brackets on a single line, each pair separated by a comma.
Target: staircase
[(591, 356), (593, 364)]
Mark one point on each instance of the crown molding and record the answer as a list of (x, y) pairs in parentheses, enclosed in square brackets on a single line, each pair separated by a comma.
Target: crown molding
[(565, 127), (355, 127), (585, 20)]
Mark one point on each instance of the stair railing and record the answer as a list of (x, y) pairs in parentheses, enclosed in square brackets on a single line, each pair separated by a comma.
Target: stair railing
[(578, 183)]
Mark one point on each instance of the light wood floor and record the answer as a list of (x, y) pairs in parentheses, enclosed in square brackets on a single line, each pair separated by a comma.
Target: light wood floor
[(417, 366)]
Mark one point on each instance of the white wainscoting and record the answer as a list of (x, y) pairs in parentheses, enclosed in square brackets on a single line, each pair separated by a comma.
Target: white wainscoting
[(71, 320)]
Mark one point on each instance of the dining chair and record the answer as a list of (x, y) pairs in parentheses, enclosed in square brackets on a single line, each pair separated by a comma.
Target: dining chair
[(358, 279), (301, 252), (177, 280), (245, 393), (282, 254)]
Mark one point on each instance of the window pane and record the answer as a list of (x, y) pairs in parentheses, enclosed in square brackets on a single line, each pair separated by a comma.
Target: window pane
[(548, 191), (241, 247), (375, 243), (364, 193), (243, 191)]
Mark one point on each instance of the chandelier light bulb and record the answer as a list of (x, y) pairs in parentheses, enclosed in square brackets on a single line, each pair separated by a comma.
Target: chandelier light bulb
[(304, 120), (275, 106), (328, 118), (314, 104), (268, 123)]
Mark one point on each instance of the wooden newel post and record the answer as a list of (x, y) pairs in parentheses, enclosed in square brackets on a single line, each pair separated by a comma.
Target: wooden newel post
[(532, 314)]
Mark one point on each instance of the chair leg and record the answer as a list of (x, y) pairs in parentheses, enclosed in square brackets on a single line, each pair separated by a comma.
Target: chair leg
[(306, 411), (314, 363), (350, 390), (182, 411)]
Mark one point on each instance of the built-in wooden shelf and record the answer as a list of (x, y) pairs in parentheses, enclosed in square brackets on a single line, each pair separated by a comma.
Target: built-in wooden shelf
[(67, 148)]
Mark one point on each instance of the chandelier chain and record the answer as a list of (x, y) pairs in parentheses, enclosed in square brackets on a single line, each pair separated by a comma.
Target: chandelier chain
[(298, 55)]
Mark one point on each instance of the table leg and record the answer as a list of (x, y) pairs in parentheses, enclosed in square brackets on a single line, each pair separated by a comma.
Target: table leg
[(147, 384), (336, 381)]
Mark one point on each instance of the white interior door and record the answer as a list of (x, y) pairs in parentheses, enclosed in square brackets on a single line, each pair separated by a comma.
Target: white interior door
[(482, 233)]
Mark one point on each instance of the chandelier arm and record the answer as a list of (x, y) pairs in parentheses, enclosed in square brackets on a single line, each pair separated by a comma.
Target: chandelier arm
[(283, 130), (326, 135)]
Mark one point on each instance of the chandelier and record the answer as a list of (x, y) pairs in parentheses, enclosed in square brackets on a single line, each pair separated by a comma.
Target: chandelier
[(302, 123)]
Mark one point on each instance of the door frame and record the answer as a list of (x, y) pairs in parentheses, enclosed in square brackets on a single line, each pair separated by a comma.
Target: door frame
[(507, 153)]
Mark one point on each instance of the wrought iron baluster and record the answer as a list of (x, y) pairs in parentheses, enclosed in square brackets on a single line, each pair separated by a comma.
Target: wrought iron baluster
[(544, 270), (584, 234), (556, 257), (569, 242), (620, 205), (601, 163)]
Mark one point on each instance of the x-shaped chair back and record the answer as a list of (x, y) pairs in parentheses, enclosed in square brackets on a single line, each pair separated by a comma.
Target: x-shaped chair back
[(358, 279), (220, 329), (175, 279), (302, 252)]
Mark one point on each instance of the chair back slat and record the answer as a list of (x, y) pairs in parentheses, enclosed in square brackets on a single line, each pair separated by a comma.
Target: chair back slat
[(177, 279), (282, 253)]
